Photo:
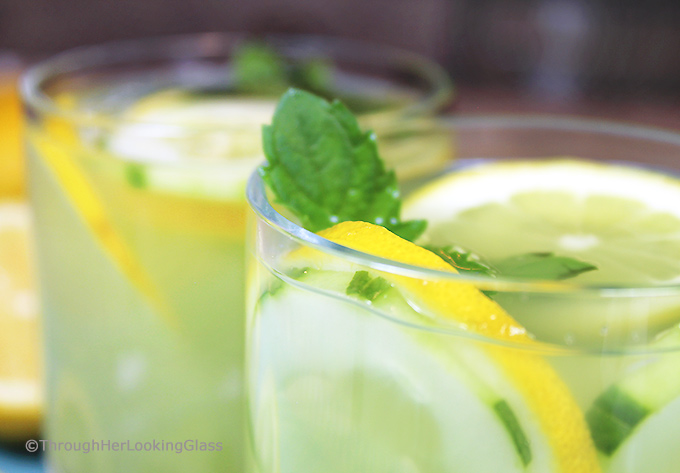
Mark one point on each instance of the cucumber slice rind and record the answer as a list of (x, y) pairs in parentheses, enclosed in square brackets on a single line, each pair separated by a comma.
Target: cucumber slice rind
[(279, 304)]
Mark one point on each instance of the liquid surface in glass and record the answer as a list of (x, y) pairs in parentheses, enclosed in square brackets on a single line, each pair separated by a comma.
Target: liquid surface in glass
[(353, 367)]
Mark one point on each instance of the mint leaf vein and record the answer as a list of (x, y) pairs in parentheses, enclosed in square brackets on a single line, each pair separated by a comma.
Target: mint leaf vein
[(326, 170), (546, 266), (543, 266), (367, 287)]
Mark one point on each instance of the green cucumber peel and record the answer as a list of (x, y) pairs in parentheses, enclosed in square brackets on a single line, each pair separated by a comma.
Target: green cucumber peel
[(613, 417), (623, 406), (519, 438)]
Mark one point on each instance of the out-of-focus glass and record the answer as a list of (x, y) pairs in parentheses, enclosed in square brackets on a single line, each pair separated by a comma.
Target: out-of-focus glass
[(342, 383), (138, 154)]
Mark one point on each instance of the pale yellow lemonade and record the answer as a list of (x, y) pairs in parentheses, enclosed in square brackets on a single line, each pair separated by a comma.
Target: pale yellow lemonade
[(125, 364), (141, 250), (357, 364)]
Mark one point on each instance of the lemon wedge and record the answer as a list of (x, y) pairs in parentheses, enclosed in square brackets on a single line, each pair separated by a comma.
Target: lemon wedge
[(21, 396), (11, 130)]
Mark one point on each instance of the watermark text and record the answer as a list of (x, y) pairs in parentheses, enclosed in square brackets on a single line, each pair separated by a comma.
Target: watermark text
[(190, 445)]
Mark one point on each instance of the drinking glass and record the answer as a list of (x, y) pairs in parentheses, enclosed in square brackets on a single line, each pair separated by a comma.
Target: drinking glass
[(357, 362), (138, 153)]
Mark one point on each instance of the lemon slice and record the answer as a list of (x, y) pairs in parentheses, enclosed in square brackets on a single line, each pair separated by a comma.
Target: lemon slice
[(624, 220), (364, 394), (180, 143), (21, 399), (11, 129)]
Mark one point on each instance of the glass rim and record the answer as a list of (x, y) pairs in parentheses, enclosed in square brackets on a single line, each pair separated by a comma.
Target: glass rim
[(440, 89), (257, 198)]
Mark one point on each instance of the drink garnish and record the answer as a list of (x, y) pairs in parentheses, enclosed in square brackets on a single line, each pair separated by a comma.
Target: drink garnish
[(260, 69), (326, 170)]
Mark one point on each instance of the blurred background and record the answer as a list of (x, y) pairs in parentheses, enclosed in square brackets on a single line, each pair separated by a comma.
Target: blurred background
[(613, 59), (609, 58)]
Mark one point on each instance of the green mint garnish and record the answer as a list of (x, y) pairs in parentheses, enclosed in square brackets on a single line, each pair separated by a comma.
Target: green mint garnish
[(326, 170), (136, 175), (543, 266), (366, 287), (314, 75), (546, 266), (464, 261), (260, 69)]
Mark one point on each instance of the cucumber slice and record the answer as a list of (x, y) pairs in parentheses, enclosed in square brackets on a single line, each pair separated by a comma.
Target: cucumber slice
[(337, 388), (198, 146), (636, 417), (654, 445)]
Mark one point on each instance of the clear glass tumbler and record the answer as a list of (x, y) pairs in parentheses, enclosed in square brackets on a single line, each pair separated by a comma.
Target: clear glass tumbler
[(138, 154), (366, 354)]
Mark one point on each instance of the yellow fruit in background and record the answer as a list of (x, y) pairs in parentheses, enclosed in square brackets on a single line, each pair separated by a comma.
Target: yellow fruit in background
[(12, 175), (21, 396)]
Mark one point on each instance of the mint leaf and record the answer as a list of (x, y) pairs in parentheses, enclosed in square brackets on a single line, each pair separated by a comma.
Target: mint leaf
[(530, 265), (543, 266), (135, 174), (463, 260), (326, 170), (259, 69), (314, 75), (366, 287)]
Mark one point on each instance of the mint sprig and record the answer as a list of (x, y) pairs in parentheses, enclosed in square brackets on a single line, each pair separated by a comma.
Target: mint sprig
[(463, 260), (260, 69), (545, 266), (326, 170), (367, 287)]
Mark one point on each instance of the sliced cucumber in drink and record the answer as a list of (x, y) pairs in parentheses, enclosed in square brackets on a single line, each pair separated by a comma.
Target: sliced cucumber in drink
[(350, 390), (182, 143), (634, 421), (207, 146), (392, 399)]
